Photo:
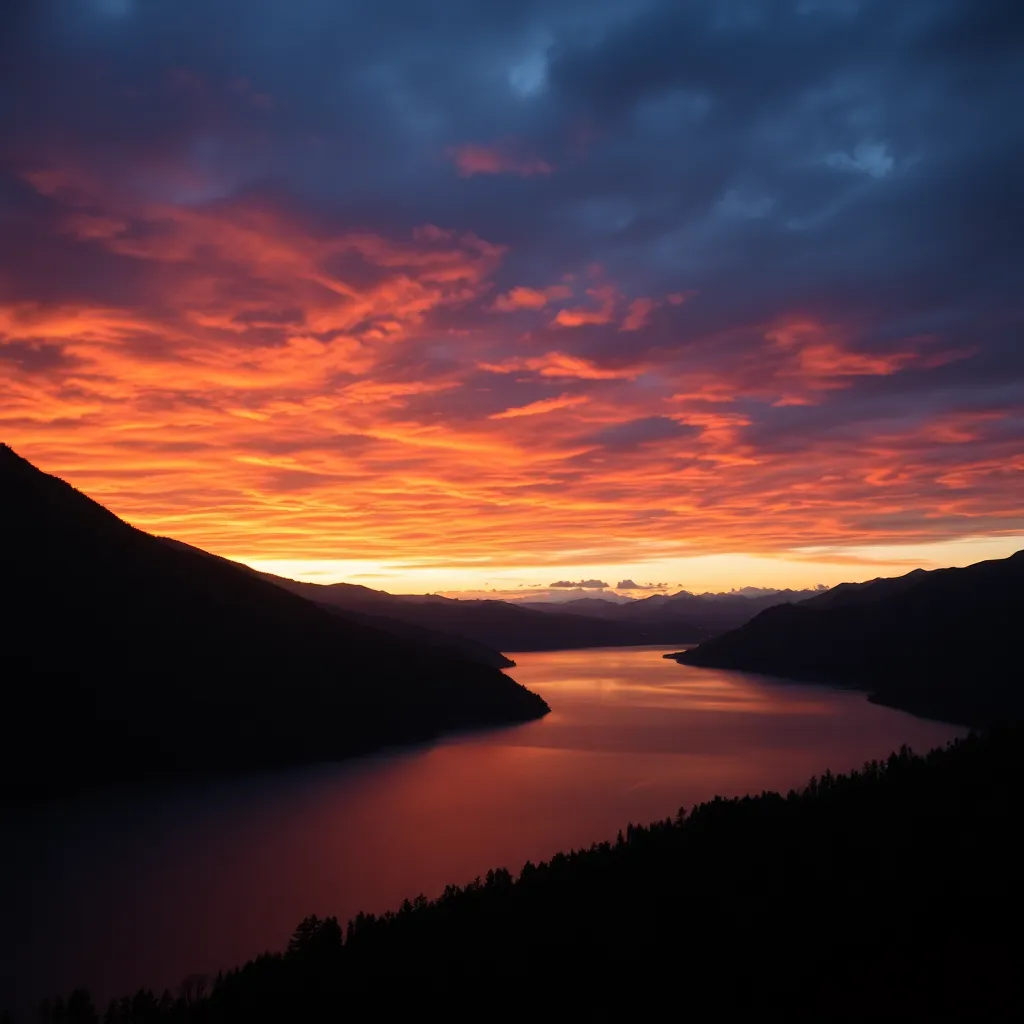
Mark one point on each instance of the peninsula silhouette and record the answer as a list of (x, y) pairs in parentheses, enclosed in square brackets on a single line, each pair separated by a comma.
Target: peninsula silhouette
[(126, 657), (943, 643)]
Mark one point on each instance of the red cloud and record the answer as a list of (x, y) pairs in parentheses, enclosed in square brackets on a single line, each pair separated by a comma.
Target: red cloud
[(473, 158), (638, 315), (708, 391)]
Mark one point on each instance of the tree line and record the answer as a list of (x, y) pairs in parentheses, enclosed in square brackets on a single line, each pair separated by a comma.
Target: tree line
[(891, 890)]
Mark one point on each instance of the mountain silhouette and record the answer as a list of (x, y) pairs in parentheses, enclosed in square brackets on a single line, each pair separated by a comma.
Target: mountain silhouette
[(125, 657), (544, 626), (371, 612), (942, 643), (667, 615), (478, 629), (505, 625)]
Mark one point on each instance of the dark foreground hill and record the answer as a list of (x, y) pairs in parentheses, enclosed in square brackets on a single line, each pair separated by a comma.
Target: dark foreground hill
[(125, 657), (892, 893), (944, 643), (371, 611)]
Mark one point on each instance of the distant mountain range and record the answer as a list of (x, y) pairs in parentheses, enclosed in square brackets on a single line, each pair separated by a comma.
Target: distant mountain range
[(124, 656), (511, 626), (942, 643), (480, 629), (702, 614)]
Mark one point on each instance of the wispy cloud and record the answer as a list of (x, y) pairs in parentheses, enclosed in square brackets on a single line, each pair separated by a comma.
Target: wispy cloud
[(561, 364), (501, 158), (543, 406)]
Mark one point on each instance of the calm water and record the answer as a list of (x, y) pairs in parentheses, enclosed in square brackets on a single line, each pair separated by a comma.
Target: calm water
[(143, 888)]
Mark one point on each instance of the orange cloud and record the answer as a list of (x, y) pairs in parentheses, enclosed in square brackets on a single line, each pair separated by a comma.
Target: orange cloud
[(560, 364), (582, 316), (472, 158), (530, 298), (709, 391), (543, 406), (821, 356), (723, 431)]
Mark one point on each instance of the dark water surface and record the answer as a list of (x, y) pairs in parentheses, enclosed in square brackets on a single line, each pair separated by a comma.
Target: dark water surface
[(126, 889)]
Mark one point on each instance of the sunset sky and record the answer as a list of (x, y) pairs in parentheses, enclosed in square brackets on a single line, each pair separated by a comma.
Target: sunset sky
[(485, 296)]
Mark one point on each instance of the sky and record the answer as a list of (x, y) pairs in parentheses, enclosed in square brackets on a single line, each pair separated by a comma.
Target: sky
[(481, 297)]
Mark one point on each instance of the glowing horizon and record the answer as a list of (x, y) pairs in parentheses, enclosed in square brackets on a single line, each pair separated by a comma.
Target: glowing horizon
[(700, 574)]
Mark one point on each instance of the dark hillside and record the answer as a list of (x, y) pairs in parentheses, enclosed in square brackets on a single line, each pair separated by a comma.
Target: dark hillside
[(370, 608), (942, 643), (124, 656)]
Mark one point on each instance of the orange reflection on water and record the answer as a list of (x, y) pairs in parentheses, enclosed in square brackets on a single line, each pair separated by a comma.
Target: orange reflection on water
[(624, 675), (203, 876)]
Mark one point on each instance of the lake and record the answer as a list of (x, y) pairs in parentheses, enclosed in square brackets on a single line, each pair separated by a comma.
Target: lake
[(141, 888)]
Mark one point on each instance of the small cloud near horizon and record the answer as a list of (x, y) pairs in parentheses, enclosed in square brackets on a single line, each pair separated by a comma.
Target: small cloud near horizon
[(581, 585)]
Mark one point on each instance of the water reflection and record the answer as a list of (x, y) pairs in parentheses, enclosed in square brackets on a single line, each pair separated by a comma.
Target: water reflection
[(139, 888)]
